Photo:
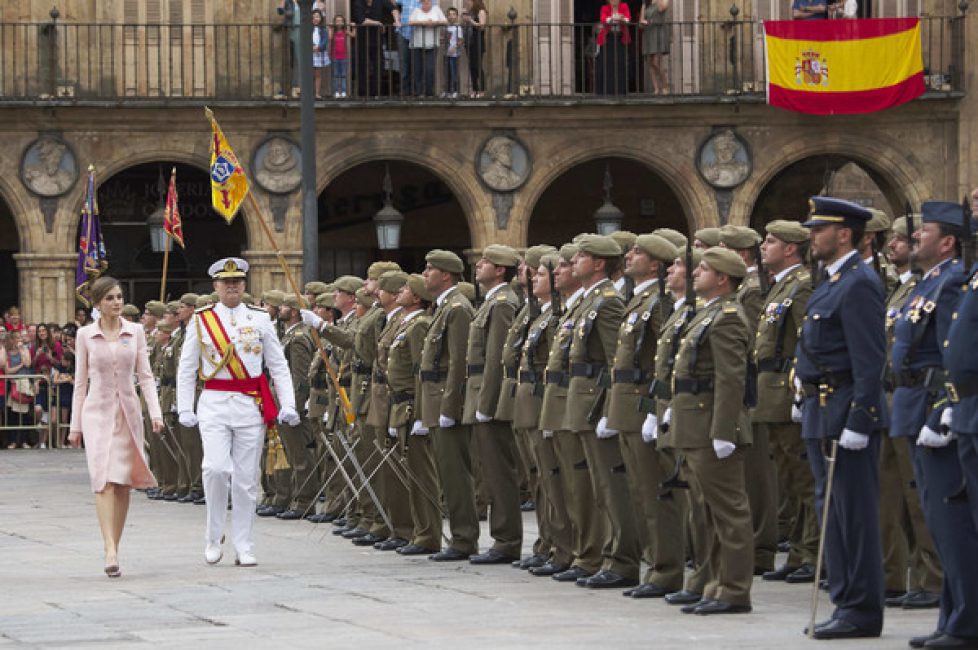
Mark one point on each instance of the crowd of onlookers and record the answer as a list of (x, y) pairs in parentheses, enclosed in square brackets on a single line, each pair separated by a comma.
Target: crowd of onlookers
[(37, 366)]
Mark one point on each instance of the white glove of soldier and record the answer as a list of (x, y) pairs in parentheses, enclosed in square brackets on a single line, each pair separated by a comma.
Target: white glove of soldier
[(930, 438), (547, 433), (188, 419), (796, 414), (603, 431), (667, 416), (445, 422), (947, 418), (288, 416), (650, 428), (723, 448), (853, 441), (482, 417), (392, 432), (419, 429), (310, 318)]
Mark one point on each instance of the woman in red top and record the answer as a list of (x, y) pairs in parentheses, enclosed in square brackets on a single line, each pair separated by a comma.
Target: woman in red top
[(610, 75)]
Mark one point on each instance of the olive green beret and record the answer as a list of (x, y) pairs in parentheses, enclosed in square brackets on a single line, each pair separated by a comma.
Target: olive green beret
[(658, 248), (203, 301), (599, 246), (579, 236), (501, 255), (415, 283), (567, 252), (155, 308), (788, 231), (326, 299), (724, 260), (348, 284), (164, 327), (467, 289), (534, 253), (364, 298), (189, 299), (739, 237), (709, 236), (173, 306), (247, 298), (131, 310), (697, 254), (315, 287), (445, 260), (375, 270), (290, 300), (624, 239), (392, 281), (674, 236), (273, 297), (550, 260), (879, 222), (900, 225)]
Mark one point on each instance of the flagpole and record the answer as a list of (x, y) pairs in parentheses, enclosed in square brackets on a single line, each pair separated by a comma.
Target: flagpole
[(166, 263)]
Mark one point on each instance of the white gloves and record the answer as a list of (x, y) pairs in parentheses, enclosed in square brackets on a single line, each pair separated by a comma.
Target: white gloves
[(188, 419), (723, 448), (547, 433), (288, 416), (482, 417), (796, 414), (650, 428), (930, 438), (853, 441), (310, 318), (445, 422), (392, 432), (419, 429), (96, 314), (667, 416), (603, 431), (797, 383), (947, 418)]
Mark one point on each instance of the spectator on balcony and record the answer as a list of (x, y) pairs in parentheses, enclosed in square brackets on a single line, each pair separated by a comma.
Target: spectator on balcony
[(809, 10), (613, 39), (453, 45), (425, 23), (656, 41), (320, 51), (370, 18), (339, 48), (474, 20), (844, 9), (15, 360), (402, 20)]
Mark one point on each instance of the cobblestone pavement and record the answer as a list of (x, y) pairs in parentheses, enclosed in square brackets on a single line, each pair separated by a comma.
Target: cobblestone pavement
[(312, 590)]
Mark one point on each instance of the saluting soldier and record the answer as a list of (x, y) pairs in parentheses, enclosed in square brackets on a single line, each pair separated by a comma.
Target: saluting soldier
[(839, 362), (920, 398), (902, 524), (495, 441), (659, 521), (784, 251)]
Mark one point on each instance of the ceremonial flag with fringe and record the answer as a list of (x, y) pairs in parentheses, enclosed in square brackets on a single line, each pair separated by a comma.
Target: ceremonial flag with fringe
[(828, 67), (92, 259), (229, 185), (171, 213)]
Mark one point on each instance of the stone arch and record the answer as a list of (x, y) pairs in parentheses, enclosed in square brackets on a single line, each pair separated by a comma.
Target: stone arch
[(13, 240), (19, 212), (699, 209)]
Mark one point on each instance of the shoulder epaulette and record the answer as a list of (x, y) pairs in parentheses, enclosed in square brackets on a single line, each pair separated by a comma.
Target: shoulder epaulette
[(256, 308), (501, 297), (730, 310), (201, 310), (611, 293)]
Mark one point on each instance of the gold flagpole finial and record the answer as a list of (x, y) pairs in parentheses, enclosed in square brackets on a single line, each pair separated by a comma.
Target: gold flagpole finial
[(209, 113), (91, 169)]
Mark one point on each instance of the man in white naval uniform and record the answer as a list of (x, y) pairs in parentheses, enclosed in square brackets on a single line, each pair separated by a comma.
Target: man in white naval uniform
[(236, 404)]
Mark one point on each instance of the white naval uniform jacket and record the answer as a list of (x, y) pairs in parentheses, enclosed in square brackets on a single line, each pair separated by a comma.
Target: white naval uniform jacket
[(256, 343)]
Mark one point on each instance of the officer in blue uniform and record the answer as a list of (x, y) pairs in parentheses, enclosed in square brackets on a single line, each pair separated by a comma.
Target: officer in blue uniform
[(839, 363)]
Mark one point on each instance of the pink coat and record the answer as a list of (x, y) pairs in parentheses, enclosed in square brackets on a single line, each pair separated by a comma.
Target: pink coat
[(103, 382)]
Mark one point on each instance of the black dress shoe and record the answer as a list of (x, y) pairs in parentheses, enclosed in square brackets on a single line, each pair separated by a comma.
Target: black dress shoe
[(896, 600), (691, 608), (353, 533), (921, 600), (571, 575), (414, 549), (201, 500), (321, 517), (648, 590), (341, 530), (270, 511), (720, 607), (172, 496), (779, 574), (340, 521), (950, 641), (784, 547), (804, 574), (528, 506), (919, 641), (683, 597), (449, 555), (531, 562), (609, 580), (492, 556), (761, 570), (154, 496), (390, 544), (189, 497), (289, 515), (367, 540), (548, 569), (840, 629)]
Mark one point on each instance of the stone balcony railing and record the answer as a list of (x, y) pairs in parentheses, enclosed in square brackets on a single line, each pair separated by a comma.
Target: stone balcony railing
[(709, 61)]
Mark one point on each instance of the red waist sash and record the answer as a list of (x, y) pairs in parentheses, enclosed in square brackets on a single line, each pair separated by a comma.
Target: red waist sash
[(253, 387)]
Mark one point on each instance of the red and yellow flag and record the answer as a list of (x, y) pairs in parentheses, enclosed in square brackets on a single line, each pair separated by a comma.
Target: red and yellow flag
[(828, 67), (229, 185), (172, 223)]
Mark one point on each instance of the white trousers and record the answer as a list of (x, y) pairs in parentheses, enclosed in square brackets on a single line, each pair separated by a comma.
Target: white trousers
[(232, 433)]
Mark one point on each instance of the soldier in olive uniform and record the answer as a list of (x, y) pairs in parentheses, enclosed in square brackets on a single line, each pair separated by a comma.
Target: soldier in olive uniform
[(902, 526), (659, 521), (622, 281), (276, 484), (320, 406), (871, 249), (189, 484), (153, 310), (495, 441), (706, 238), (165, 370), (712, 427), (442, 381)]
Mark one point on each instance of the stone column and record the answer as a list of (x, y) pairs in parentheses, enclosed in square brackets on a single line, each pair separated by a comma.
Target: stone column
[(265, 272), (968, 112), (47, 286)]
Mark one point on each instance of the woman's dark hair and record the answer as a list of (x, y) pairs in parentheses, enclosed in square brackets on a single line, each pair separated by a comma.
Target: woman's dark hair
[(477, 6), (102, 287)]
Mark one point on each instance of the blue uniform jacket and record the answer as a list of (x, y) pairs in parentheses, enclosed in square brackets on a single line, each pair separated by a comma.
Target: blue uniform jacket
[(843, 332), (926, 317), (960, 356)]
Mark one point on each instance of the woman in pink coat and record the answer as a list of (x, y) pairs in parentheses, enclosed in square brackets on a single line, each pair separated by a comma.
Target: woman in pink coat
[(105, 410)]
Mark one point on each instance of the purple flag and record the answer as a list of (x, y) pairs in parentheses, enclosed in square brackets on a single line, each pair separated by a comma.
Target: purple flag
[(91, 248)]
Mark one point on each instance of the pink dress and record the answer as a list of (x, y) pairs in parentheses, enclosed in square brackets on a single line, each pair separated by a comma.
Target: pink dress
[(106, 407)]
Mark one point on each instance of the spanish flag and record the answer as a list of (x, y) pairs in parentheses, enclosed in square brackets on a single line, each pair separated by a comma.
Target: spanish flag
[(229, 185), (829, 67)]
